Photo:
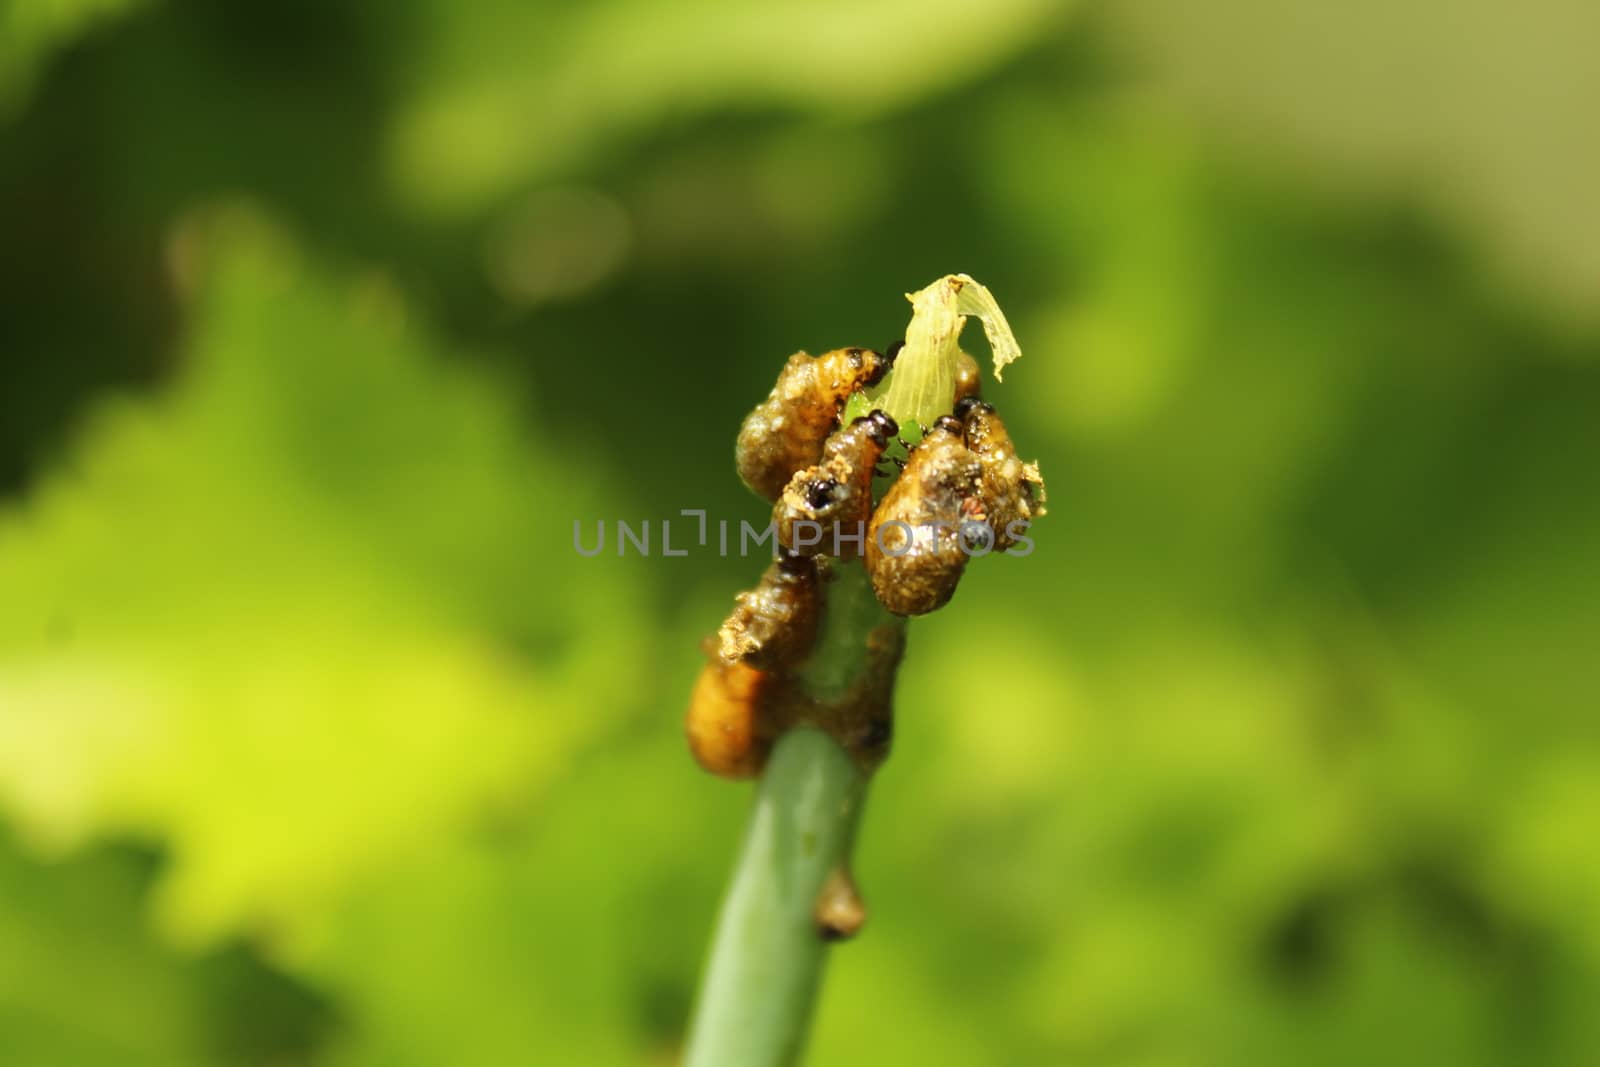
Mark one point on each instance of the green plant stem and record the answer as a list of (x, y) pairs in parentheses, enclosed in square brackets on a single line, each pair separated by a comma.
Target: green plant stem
[(760, 987), (766, 964)]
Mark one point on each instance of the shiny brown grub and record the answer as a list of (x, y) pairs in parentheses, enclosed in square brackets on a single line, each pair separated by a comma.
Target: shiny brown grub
[(1013, 491), (785, 432), (836, 494), (724, 724), (915, 554), (774, 625)]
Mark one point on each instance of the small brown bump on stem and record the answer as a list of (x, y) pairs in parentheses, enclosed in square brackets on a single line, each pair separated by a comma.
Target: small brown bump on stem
[(840, 912)]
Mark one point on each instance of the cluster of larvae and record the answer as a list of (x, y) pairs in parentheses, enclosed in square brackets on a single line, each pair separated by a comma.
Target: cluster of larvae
[(961, 492)]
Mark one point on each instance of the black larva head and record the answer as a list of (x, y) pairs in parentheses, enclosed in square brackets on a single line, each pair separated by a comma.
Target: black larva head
[(819, 494), (882, 428), (892, 353), (967, 405), (949, 425), (874, 364), (878, 733)]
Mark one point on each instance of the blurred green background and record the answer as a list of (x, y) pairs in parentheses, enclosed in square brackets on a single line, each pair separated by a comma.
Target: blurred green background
[(320, 323)]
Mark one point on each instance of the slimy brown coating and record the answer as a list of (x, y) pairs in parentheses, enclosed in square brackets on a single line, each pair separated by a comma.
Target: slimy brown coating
[(915, 552), (785, 433), (835, 496), (1013, 491), (774, 625)]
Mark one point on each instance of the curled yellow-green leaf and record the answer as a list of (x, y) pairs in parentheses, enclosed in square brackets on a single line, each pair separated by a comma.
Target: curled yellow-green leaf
[(920, 389), (975, 300)]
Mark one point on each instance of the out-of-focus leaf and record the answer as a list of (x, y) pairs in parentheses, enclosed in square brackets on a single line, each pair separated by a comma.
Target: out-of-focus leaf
[(539, 88), (1492, 140), (573, 936), (302, 615), (83, 981), (32, 30)]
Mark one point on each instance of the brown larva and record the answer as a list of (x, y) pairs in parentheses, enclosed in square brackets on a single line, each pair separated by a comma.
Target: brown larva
[(724, 725), (1013, 492), (835, 496), (915, 549), (732, 712), (785, 433), (774, 625)]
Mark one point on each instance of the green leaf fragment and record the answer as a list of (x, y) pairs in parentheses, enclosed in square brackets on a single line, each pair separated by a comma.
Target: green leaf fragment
[(976, 300), (923, 382)]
